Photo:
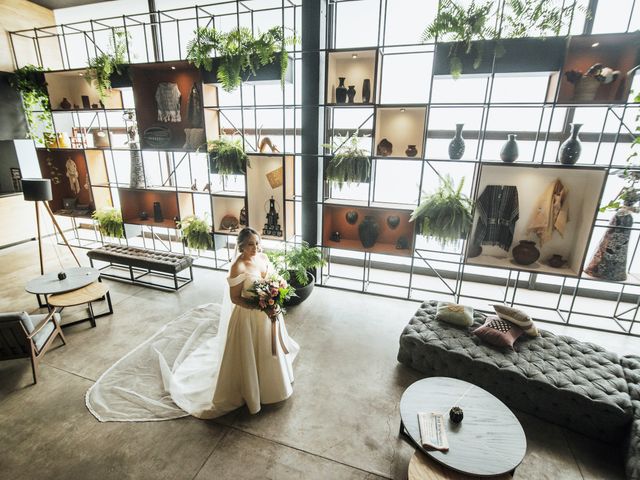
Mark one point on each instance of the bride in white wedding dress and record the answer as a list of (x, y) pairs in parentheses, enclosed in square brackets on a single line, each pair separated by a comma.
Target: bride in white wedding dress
[(207, 362)]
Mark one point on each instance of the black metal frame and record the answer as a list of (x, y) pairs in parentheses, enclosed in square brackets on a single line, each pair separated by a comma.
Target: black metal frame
[(136, 273)]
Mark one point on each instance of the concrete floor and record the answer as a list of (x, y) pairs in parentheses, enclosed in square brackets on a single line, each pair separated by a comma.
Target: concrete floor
[(341, 422)]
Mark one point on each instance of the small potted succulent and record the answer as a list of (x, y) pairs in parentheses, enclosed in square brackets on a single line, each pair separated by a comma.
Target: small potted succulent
[(295, 265), (587, 84)]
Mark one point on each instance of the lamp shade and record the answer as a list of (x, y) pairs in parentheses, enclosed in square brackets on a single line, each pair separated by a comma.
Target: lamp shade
[(37, 189)]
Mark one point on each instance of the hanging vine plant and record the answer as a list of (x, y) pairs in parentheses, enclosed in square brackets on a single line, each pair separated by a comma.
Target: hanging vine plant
[(241, 53), (101, 68), (227, 157), (350, 163), (29, 81)]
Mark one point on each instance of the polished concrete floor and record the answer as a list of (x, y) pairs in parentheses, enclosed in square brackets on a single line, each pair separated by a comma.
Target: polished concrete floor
[(341, 422)]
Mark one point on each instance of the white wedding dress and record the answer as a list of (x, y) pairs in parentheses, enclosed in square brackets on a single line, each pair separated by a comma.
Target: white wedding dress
[(206, 363)]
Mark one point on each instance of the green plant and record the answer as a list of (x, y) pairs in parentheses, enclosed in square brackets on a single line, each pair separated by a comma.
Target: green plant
[(298, 259), (109, 222), (196, 232), (350, 163), (227, 156), (240, 52), (520, 18), (629, 194), (28, 80), (101, 67), (445, 214)]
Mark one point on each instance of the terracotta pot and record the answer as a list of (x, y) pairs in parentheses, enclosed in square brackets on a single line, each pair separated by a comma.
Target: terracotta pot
[(526, 253)]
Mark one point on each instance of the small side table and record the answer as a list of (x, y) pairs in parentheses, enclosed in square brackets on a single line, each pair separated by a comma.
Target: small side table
[(91, 293), (421, 467), (48, 284)]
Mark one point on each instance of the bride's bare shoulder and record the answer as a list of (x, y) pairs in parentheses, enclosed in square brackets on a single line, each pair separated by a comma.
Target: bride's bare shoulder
[(238, 267)]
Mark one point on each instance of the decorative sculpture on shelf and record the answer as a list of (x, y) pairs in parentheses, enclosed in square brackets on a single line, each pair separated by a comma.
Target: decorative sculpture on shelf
[(272, 227)]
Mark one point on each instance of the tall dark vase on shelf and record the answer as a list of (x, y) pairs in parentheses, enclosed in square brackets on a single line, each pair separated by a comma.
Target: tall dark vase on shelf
[(351, 93), (157, 212), (456, 146), (366, 91), (572, 147), (609, 261), (341, 91), (509, 152), (368, 231)]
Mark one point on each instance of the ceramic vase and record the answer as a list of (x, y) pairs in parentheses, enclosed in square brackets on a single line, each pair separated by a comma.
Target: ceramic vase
[(157, 212), (136, 178), (456, 146), (393, 221), (65, 104), (572, 147), (586, 89), (525, 253), (556, 261), (341, 92), (411, 151), (368, 231), (352, 217), (509, 152), (366, 90), (385, 148), (351, 93)]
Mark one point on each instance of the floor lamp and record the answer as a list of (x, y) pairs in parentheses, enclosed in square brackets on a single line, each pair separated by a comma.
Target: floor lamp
[(39, 190)]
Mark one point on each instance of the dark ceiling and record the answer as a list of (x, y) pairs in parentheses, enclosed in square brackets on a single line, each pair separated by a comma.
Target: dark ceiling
[(53, 4)]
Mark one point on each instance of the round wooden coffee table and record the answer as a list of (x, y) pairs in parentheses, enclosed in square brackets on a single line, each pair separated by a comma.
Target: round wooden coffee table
[(49, 284), (489, 441)]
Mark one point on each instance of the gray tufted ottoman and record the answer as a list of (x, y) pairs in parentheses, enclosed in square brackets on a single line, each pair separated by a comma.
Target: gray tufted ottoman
[(577, 385), (141, 262)]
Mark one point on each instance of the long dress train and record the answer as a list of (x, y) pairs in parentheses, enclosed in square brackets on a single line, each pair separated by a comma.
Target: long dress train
[(206, 363)]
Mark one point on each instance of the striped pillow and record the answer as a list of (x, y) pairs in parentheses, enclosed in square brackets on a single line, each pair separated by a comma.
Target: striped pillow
[(517, 317)]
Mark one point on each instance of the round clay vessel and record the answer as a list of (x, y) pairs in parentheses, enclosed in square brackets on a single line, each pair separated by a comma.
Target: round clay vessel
[(368, 230), (352, 217), (555, 261), (393, 221), (525, 253)]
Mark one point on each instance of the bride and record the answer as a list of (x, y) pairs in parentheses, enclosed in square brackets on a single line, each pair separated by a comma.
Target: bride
[(209, 361)]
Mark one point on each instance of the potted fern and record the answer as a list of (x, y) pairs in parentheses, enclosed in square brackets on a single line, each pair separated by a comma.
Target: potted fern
[(472, 39), (240, 55), (30, 83), (196, 232), (227, 157), (295, 265), (445, 214), (350, 163), (109, 222), (102, 68)]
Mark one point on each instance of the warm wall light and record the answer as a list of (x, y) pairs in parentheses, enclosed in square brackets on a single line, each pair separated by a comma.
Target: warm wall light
[(402, 110), (173, 68), (595, 45), (355, 55), (81, 74)]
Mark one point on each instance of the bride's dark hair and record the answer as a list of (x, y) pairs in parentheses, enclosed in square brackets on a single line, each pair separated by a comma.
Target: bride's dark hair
[(244, 235)]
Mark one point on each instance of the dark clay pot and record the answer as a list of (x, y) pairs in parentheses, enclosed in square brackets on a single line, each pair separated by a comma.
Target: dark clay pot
[(571, 149), (555, 261), (341, 92), (393, 221), (526, 253), (366, 90), (351, 217), (351, 93), (368, 231), (302, 292), (411, 151), (456, 146), (509, 152)]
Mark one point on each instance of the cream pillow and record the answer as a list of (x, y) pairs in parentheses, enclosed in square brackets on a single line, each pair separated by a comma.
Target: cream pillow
[(517, 317), (454, 314)]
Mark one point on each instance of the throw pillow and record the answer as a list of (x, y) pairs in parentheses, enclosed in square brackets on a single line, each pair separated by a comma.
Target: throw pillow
[(497, 332), (517, 317), (455, 314)]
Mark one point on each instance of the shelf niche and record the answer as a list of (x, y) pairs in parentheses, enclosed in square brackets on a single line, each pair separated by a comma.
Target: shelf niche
[(73, 85), (402, 127), (155, 134), (133, 202), (269, 176), (335, 220), (584, 185), (619, 51), (224, 206), (67, 197), (97, 169), (355, 71)]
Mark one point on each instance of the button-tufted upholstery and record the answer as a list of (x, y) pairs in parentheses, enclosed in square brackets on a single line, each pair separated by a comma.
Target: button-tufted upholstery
[(138, 257), (575, 384)]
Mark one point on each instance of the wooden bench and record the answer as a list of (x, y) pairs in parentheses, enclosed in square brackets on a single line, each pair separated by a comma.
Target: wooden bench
[(140, 262)]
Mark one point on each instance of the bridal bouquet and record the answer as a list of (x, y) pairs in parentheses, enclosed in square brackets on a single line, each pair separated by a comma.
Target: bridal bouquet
[(271, 293)]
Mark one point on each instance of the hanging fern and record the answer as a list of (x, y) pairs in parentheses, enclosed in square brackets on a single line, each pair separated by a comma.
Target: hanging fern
[(350, 163), (197, 232), (35, 99), (445, 214), (227, 157), (109, 222), (101, 68), (240, 52)]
